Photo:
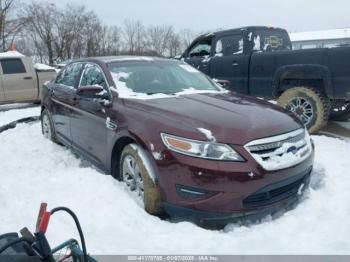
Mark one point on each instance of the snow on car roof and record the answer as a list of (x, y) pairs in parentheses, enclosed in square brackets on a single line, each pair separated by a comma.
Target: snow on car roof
[(11, 54), (320, 34), (108, 59)]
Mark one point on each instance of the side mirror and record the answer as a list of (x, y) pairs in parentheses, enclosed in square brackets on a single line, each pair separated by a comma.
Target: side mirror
[(97, 93), (91, 91), (223, 83)]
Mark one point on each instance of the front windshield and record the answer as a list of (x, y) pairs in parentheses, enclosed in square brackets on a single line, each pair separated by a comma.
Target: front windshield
[(166, 77)]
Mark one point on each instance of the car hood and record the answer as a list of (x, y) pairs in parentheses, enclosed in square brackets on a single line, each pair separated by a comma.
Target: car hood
[(229, 117)]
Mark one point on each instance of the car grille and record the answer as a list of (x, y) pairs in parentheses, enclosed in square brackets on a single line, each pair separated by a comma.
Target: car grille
[(282, 151), (277, 192)]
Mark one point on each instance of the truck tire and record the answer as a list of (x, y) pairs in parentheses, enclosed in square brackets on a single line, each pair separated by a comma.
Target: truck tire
[(135, 175), (47, 128), (340, 111), (308, 104)]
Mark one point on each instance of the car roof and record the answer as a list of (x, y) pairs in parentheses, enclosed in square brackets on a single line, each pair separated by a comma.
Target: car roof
[(111, 59), (234, 30)]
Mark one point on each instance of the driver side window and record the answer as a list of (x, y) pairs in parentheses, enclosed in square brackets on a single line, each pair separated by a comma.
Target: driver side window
[(69, 75), (200, 50), (92, 76)]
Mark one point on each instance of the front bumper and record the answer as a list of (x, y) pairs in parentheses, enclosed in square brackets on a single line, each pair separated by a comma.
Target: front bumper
[(219, 219)]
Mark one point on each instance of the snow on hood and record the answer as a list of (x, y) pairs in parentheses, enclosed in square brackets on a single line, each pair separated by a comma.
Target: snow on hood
[(125, 92), (207, 133)]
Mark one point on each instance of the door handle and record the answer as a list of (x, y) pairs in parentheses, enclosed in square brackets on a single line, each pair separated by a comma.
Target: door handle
[(75, 101), (27, 78), (235, 63)]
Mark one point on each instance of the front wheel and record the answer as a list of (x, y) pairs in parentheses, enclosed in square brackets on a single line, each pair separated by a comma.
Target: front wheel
[(308, 104), (340, 110), (47, 126), (138, 179)]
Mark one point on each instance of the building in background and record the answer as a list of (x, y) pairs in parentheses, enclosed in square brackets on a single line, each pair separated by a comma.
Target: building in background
[(320, 39)]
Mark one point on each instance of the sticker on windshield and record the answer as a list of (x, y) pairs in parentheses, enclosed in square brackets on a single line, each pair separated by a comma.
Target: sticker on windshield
[(189, 68)]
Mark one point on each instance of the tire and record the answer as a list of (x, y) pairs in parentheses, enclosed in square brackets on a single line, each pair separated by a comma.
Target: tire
[(308, 104), (47, 128), (151, 193), (340, 111)]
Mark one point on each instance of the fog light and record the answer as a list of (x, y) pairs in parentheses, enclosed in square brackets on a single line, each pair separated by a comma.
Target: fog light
[(192, 193)]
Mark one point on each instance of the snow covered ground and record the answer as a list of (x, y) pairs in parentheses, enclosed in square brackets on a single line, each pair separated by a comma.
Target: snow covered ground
[(8, 114), (34, 170)]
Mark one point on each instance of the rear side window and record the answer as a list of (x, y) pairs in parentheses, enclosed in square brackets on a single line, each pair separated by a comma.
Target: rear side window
[(69, 75), (12, 66), (229, 45)]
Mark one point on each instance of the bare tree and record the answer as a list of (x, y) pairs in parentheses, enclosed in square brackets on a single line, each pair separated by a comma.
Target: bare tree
[(11, 24), (54, 34), (41, 19), (134, 37), (174, 43), (69, 23), (158, 38)]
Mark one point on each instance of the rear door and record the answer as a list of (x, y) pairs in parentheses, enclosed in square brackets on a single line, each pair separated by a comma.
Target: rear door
[(229, 62), (88, 119), (64, 98), (17, 80)]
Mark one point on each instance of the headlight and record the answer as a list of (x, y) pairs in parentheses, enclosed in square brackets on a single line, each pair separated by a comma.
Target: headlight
[(201, 149)]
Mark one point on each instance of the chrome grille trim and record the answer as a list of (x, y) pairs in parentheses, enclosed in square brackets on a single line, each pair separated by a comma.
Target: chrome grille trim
[(267, 150)]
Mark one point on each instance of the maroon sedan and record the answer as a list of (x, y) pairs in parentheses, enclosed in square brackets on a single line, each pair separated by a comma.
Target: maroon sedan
[(177, 139)]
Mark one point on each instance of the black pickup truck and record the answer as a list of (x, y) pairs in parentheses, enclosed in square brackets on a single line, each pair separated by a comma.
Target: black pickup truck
[(259, 61)]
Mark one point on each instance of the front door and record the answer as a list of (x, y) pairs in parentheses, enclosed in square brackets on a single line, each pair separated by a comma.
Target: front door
[(230, 63), (88, 119), (64, 98), (17, 81)]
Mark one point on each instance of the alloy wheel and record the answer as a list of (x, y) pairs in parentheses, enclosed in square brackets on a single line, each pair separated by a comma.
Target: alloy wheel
[(302, 108), (132, 175)]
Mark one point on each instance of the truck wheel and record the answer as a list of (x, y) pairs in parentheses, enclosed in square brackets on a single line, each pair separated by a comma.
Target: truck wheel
[(138, 180), (340, 110), (47, 127), (308, 104)]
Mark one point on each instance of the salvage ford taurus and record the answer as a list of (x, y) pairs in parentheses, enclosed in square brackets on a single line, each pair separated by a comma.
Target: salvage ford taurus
[(177, 139)]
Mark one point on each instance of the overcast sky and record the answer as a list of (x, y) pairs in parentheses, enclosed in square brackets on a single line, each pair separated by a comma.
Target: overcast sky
[(204, 15)]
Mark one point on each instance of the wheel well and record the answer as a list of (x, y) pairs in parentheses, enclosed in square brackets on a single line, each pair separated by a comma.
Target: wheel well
[(286, 83), (116, 152)]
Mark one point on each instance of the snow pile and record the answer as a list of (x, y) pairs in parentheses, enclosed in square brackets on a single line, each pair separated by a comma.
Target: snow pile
[(42, 67), (114, 223), (9, 116), (125, 92)]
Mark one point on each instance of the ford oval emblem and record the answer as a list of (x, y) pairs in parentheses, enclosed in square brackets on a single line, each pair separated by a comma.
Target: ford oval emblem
[(292, 149)]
